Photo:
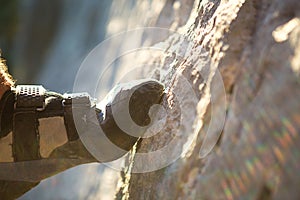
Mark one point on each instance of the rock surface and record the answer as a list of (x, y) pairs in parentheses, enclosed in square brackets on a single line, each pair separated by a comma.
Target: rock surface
[(255, 47)]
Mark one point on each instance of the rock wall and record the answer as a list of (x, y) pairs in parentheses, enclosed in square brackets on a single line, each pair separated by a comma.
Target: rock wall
[(254, 46)]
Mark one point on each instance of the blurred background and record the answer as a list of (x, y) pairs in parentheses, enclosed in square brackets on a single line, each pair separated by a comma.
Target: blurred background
[(44, 42)]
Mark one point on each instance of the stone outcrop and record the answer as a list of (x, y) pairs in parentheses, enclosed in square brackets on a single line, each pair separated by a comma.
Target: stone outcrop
[(254, 46)]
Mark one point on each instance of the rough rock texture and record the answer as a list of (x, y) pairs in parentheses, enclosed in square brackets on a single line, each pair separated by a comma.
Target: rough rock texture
[(255, 45)]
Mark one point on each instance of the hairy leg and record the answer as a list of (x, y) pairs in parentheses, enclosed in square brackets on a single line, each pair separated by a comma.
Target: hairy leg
[(6, 80)]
